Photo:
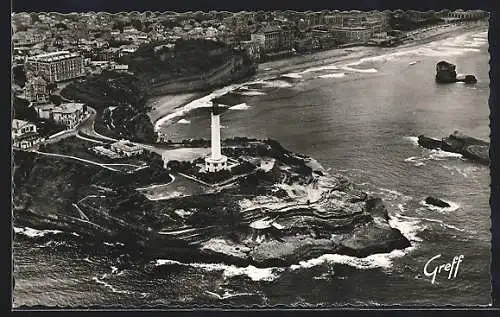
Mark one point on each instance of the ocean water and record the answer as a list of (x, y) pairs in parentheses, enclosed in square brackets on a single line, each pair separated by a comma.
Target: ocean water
[(360, 118)]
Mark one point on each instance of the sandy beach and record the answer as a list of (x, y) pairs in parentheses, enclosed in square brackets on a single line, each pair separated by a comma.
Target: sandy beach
[(166, 105)]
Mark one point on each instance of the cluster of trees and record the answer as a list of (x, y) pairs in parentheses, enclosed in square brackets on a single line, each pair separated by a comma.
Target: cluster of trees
[(127, 93)]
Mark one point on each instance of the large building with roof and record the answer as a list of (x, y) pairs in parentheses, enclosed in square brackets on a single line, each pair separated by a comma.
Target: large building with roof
[(68, 114), (24, 134), (57, 66)]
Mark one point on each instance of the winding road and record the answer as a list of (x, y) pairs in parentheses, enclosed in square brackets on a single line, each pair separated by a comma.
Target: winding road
[(87, 128)]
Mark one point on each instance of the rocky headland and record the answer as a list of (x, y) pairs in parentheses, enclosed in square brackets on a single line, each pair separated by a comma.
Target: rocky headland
[(471, 148), (287, 209)]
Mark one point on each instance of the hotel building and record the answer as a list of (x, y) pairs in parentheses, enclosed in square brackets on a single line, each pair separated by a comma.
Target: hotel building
[(57, 66)]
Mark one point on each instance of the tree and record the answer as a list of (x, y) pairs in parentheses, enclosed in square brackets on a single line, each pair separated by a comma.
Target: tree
[(51, 87), (34, 17), (55, 99), (61, 25)]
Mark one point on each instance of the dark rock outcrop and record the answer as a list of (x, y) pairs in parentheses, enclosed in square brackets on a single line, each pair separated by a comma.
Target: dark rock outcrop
[(471, 148), (436, 202), (429, 143), (446, 73)]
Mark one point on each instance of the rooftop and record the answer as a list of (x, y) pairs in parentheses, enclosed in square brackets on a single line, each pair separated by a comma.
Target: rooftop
[(53, 56), (126, 145), (69, 107), (16, 123)]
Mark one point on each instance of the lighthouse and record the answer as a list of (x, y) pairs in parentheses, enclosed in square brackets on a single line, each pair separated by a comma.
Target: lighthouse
[(215, 162)]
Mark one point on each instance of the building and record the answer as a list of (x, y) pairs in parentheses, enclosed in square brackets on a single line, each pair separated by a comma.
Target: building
[(44, 111), (107, 54), (36, 90), (467, 15), (216, 161), (273, 39), (57, 66), (68, 114), (352, 34), (24, 134), (125, 148)]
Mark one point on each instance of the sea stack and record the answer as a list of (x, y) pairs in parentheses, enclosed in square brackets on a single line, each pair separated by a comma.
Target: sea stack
[(446, 73)]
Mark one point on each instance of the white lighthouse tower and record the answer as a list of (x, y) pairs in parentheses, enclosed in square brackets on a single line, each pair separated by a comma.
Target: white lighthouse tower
[(216, 161)]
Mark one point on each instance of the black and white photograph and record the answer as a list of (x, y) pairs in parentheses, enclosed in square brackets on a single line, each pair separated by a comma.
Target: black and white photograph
[(301, 159)]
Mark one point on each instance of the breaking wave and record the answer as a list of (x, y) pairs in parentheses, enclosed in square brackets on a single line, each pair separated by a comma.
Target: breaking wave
[(292, 75), (35, 233), (335, 75), (359, 70), (241, 106), (254, 273), (183, 121)]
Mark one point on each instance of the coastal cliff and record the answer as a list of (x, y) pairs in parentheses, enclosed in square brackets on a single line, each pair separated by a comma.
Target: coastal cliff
[(272, 217)]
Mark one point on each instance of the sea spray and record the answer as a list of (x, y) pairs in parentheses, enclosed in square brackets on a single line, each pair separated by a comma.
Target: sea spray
[(229, 271)]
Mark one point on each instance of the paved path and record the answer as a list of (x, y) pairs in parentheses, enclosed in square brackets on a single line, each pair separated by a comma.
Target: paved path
[(76, 158)]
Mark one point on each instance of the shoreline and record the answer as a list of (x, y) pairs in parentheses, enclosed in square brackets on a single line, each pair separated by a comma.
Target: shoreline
[(168, 104)]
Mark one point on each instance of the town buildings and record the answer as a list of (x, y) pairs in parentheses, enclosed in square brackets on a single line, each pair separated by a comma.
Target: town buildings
[(67, 114), (36, 90), (57, 66), (352, 34), (24, 134), (467, 15)]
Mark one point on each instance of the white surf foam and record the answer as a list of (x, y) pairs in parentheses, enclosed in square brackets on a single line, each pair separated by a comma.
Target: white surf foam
[(440, 222), (412, 139), (382, 260), (360, 70), (34, 233), (293, 75), (111, 287), (320, 68), (183, 121), (241, 106), (335, 75), (439, 155), (251, 93), (254, 273), (204, 102)]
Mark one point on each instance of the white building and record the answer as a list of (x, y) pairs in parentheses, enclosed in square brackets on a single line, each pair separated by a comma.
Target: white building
[(126, 148), (57, 66), (68, 114), (216, 161), (24, 134)]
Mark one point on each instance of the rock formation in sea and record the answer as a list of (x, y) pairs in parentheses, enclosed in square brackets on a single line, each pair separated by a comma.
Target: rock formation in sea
[(436, 202), (457, 142), (446, 73)]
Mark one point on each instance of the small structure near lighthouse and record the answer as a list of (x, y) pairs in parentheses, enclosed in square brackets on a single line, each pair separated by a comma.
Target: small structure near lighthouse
[(216, 162)]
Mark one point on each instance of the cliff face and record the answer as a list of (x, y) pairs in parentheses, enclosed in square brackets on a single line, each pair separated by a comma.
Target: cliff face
[(277, 216)]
